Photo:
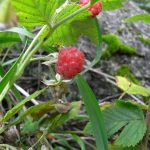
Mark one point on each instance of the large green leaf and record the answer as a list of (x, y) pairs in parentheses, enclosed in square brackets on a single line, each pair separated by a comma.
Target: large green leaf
[(134, 129), (68, 33), (123, 116), (131, 88), (94, 113), (70, 9), (145, 17), (33, 13)]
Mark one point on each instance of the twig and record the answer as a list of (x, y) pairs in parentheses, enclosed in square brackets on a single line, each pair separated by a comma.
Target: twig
[(102, 73), (21, 90), (109, 97), (111, 79), (136, 99), (103, 103)]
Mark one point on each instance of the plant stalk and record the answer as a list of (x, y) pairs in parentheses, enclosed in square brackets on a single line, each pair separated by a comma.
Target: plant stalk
[(34, 41), (34, 47)]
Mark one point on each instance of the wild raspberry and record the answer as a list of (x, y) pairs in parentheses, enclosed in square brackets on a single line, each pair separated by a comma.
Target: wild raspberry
[(84, 2), (70, 62), (96, 8)]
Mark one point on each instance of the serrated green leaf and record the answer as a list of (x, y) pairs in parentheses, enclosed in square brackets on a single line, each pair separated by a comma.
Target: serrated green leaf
[(145, 17), (70, 9), (7, 39), (131, 88), (119, 115), (68, 33), (132, 134), (94, 113), (34, 13), (125, 116)]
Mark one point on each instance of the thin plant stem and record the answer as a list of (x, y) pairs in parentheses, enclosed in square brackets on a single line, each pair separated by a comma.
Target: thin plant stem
[(34, 41), (27, 60)]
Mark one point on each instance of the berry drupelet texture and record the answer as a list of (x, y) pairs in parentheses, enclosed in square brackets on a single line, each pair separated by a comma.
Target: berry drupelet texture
[(70, 62), (95, 9)]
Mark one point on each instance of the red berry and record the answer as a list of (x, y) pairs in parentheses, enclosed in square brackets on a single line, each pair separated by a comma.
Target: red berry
[(96, 8), (70, 62), (84, 2)]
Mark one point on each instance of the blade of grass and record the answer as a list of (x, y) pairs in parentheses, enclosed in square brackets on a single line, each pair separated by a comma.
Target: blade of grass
[(19, 106), (13, 89), (8, 79), (94, 112)]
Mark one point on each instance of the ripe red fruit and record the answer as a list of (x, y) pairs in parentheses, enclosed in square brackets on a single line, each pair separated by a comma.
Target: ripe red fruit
[(84, 2), (96, 8), (70, 62)]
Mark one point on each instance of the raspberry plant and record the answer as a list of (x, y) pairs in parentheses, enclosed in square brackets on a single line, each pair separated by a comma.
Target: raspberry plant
[(55, 26)]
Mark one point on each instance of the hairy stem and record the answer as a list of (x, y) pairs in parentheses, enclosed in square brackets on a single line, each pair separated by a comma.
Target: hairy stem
[(34, 42), (27, 60)]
